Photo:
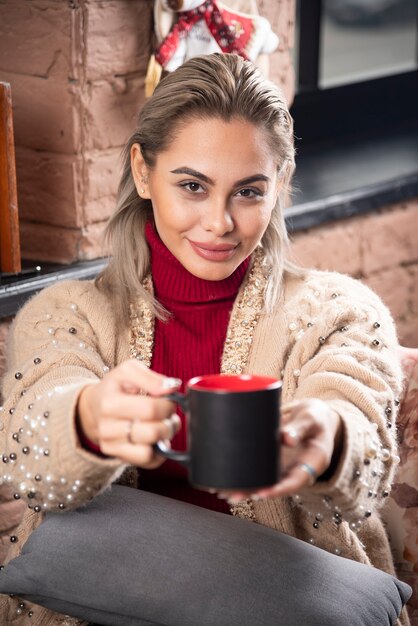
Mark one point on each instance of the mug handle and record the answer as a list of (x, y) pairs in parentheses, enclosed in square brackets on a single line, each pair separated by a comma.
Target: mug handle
[(161, 447)]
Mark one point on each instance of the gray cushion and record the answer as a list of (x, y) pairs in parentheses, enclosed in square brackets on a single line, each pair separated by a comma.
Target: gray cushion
[(132, 558)]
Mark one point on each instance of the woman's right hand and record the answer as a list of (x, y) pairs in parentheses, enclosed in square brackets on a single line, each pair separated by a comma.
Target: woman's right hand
[(124, 424)]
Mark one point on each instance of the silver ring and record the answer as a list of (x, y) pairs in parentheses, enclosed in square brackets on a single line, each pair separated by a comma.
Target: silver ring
[(305, 467), (131, 424)]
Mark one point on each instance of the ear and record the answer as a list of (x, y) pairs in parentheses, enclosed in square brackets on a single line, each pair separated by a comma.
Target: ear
[(139, 172)]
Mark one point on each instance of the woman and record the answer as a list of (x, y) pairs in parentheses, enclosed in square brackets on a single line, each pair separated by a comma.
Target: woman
[(200, 282)]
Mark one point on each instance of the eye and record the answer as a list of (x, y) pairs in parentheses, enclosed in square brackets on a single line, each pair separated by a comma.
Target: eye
[(193, 187), (249, 192)]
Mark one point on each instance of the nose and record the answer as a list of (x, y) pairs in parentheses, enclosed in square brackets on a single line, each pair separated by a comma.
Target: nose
[(217, 218)]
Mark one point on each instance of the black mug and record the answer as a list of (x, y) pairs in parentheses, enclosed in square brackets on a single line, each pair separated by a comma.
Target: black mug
[(233, 432)]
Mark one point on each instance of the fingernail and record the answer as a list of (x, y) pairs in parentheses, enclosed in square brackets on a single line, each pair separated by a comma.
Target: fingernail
[(293, 434), (169, 383), (176, 421), (232, 500)]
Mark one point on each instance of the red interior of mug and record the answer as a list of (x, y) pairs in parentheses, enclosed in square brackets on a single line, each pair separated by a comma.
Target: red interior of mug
[(226, 383)]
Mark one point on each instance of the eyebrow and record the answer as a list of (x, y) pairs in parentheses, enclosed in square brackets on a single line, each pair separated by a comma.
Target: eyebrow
[(206, 179)]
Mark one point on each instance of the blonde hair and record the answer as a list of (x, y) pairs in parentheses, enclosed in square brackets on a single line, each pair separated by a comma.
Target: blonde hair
[(221, 86)]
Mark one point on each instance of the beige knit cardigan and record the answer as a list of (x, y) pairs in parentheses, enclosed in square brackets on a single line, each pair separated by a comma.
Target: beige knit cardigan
[(329, 337)]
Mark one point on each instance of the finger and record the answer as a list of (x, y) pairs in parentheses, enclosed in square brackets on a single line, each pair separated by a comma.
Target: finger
[(173, 425), (136, 375), (151, 432), (139, 455), (296, 479), (290, 437), (234, 495), (301, 426), (234, 498), (289, 406), (288, 410), (296, 409), (127, 406), (138, 431)]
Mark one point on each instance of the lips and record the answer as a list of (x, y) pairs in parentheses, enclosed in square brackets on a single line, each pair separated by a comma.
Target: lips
[(220, 247), (213, 252)]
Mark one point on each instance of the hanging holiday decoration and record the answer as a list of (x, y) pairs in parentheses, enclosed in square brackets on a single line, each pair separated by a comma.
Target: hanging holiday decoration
[(188, 28)]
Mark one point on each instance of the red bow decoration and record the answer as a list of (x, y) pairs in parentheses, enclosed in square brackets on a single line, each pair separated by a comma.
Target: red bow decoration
[(231, 31)]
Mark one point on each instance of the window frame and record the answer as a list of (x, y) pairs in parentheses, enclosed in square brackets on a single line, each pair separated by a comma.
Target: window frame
[(329, 113)]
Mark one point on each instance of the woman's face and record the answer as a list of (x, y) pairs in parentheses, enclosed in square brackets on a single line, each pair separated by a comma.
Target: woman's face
[(212, 191)]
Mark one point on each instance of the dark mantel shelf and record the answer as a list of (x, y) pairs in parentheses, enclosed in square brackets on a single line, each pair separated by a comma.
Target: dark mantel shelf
[(15, 292), (340, 181), (346, 204), (354, 176)]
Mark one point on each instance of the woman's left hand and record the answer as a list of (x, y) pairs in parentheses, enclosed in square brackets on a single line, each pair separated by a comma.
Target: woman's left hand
[(311, 441)]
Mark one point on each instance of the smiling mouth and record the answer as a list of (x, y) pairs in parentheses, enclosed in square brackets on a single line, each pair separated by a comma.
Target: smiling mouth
[(213, 252)]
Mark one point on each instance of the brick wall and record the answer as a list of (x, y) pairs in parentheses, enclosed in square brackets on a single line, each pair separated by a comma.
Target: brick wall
[(381, 249), (77, 72)]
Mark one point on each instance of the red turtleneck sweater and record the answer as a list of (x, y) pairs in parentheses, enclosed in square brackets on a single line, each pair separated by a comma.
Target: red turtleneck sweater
[(189, 344)]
